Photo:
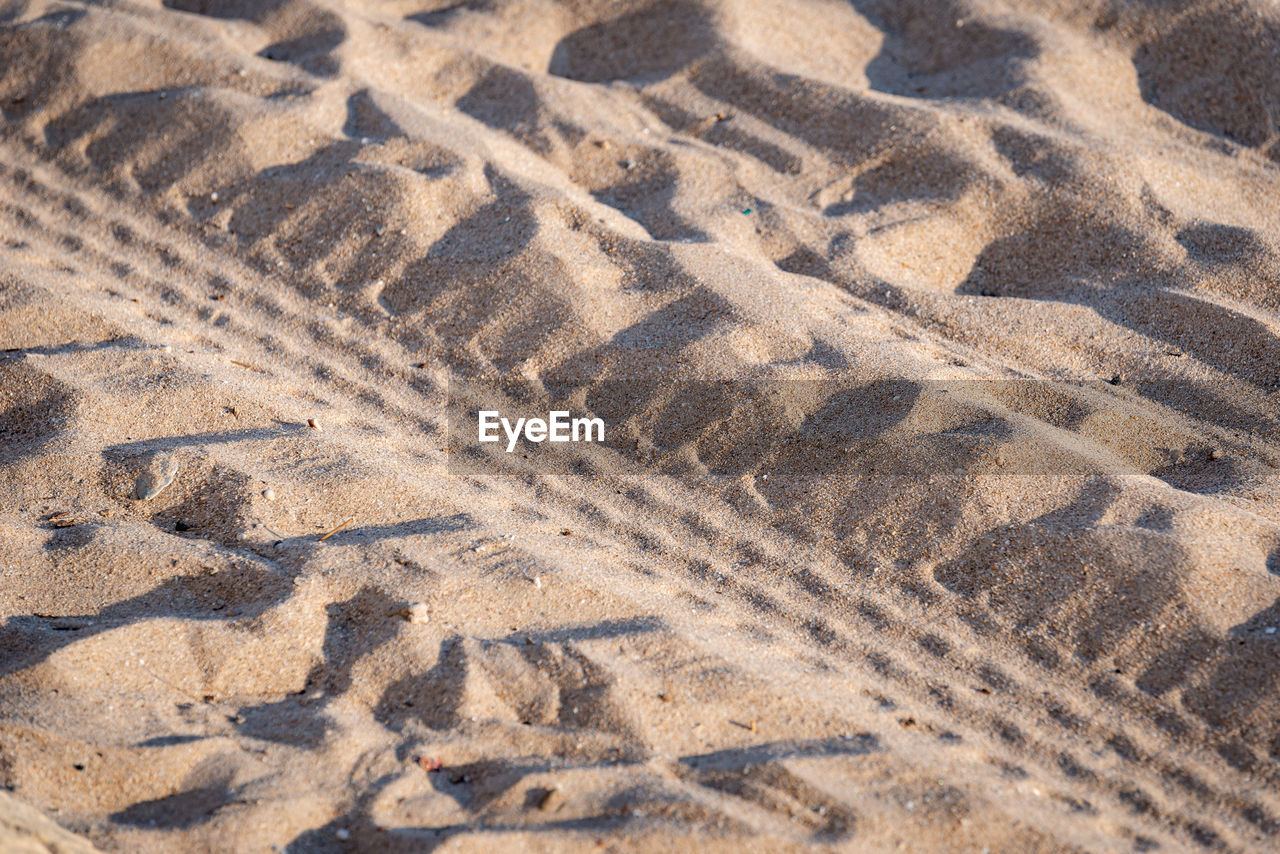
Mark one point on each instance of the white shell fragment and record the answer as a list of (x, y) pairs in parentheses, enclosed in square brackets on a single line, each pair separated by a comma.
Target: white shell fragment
[(161, 469)]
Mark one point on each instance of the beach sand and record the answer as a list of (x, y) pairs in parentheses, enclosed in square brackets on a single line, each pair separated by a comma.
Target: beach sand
[(248, 248)]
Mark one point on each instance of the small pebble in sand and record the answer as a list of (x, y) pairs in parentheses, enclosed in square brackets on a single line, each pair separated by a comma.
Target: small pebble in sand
[(418, 613), (161, 469), (167, 348), (537, 581), (342, 833), (313, 424), (269, 494), (548, 800), (1215, 454), (213, 197)]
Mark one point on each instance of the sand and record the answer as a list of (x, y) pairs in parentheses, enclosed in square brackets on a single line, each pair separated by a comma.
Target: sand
[(247, 249)]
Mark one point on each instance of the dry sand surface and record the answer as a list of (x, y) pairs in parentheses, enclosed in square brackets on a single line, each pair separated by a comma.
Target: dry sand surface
[(248, 246)]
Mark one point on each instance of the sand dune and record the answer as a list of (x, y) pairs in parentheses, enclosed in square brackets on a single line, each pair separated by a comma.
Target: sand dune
[(1026, 600)]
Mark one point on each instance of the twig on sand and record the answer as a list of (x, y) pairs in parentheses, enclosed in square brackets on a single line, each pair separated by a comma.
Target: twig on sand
[(345, 523)]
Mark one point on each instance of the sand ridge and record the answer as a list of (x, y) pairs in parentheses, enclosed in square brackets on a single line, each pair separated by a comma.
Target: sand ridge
[(255, 243)]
